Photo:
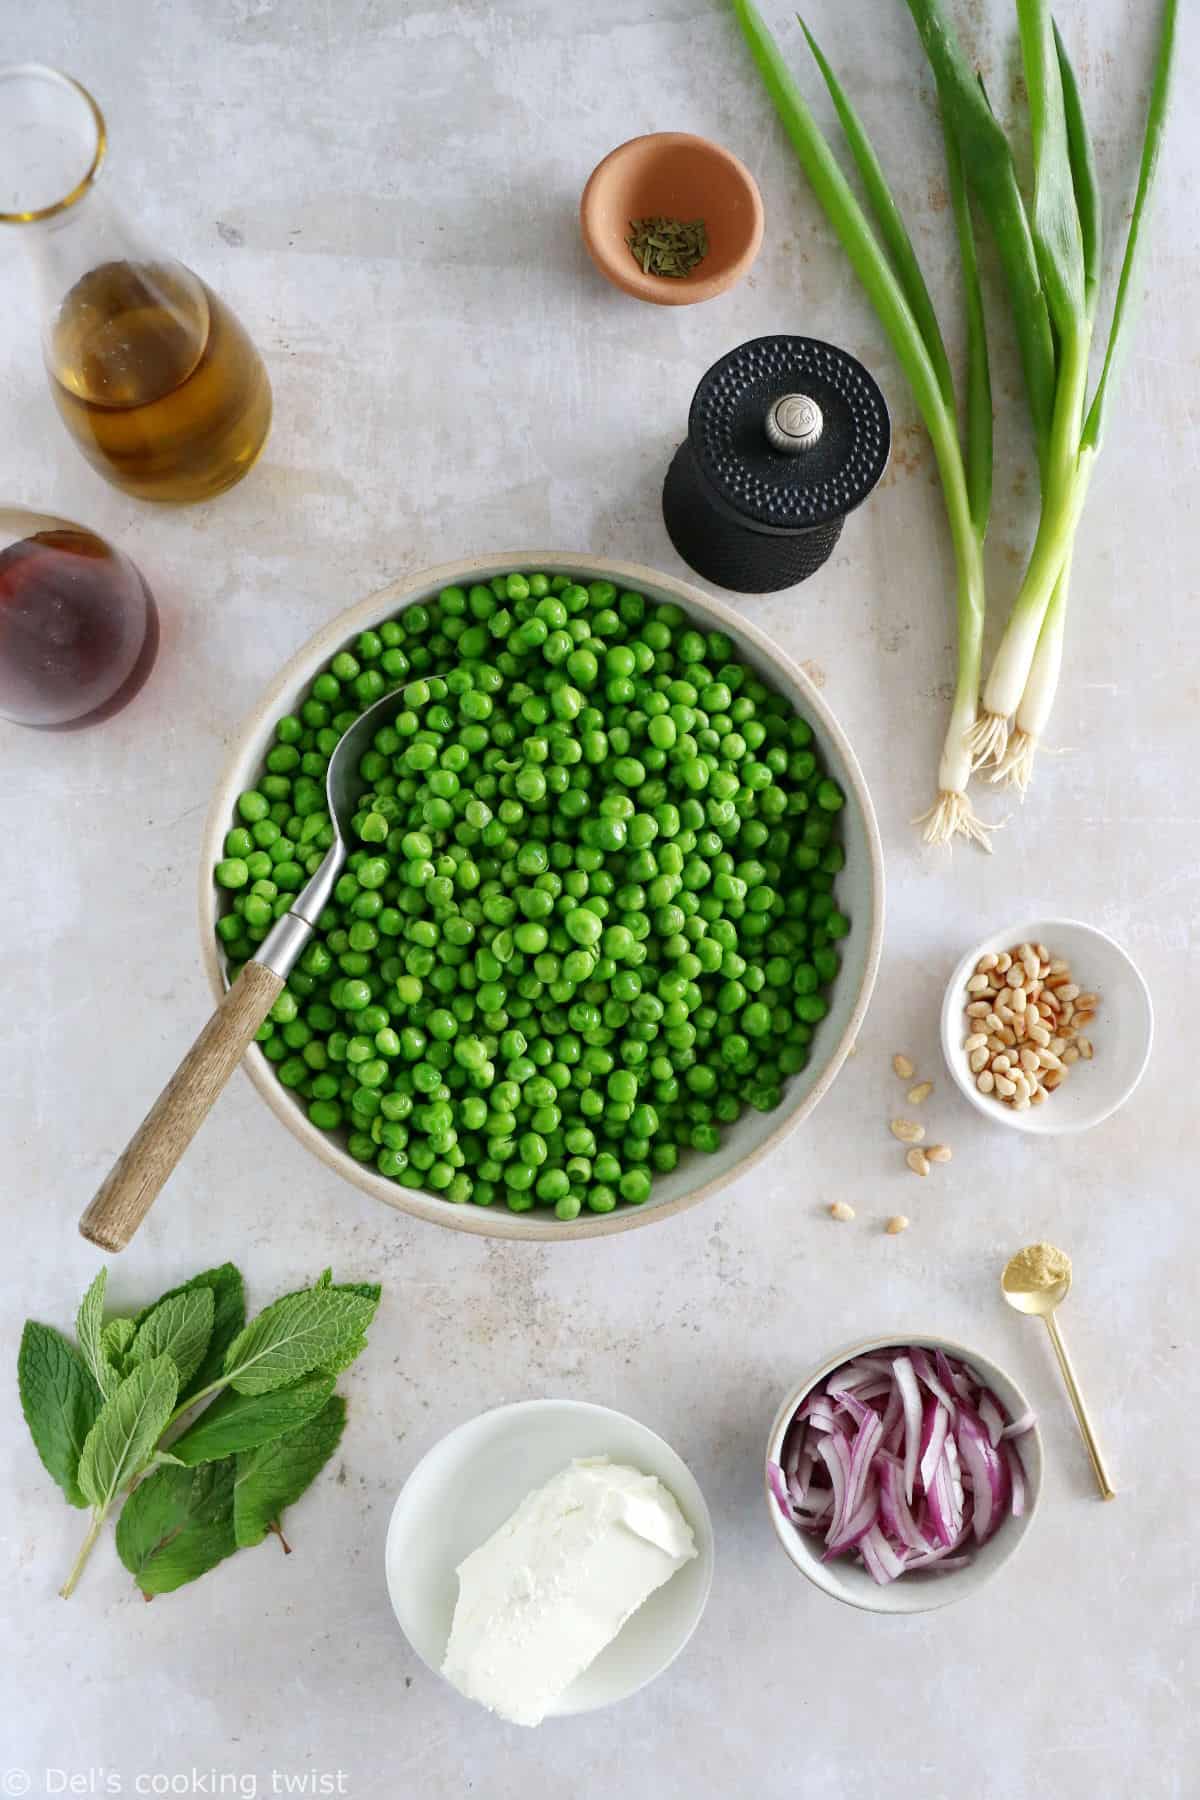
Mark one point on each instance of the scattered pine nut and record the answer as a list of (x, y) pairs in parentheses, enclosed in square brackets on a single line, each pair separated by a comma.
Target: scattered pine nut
[(938, 1153), (917, 1161), (917, 1096), (907, 1130), (896, 1224), (903, 1067), (840, 1211)]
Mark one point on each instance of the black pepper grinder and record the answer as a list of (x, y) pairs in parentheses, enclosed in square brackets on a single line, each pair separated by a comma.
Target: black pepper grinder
[(786, 435)]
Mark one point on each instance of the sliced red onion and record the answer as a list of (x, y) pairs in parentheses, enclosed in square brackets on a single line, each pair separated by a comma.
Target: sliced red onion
[(894, 1511), (993, 1418), (924, 1372), (902, 1459), (775, 1477), (934, 1427), (1016, 1475), (910, 1395), (989, 1476), (883, 1563)]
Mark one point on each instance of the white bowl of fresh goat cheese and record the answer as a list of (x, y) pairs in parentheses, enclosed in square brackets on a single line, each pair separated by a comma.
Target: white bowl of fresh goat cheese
[(546, 1540)]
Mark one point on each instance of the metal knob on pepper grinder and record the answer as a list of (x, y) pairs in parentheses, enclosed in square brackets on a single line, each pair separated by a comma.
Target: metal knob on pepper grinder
[(786, 435)]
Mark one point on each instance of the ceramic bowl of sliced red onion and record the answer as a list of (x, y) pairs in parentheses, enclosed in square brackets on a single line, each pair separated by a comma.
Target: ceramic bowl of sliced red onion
[(903, 1474)]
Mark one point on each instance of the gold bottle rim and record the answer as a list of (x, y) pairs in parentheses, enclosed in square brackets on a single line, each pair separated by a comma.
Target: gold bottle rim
[(37, 214)]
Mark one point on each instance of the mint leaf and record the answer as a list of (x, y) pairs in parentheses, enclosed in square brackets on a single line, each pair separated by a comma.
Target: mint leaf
[(274, 1476), (245, 1421), (179, 1328), (127, 1428), (176, 1525), (365, 1290), (229, 1315), (115, 1343), (60, 1402), (89, 1324), (303, 1331)]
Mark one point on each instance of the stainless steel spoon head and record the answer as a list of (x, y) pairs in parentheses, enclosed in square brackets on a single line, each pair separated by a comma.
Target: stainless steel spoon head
[(343, 789)]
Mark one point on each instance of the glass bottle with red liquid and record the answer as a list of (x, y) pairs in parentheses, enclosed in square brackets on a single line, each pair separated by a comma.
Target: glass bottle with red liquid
[(78, 626)]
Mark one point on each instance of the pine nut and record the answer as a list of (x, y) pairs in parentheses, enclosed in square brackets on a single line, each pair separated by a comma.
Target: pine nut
[(839, 1210), (903, 1067), (1024, 1017), (896, 1224), (918, 1162), (907, 1130), (919, 1095), (938, 1153)]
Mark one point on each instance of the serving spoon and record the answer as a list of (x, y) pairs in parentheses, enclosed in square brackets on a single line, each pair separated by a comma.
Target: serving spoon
[(127, 1193), (1030, 1292)]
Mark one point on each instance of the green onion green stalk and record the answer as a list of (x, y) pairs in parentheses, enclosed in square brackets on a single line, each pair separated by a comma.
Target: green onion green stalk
[(885, 262), (1050, 261), (1024, 677)]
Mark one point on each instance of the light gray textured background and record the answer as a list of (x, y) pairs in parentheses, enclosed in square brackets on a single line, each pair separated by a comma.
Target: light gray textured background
[(387, 192)]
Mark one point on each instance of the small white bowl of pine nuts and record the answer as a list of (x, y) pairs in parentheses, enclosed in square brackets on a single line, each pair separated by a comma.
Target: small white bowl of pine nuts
[(1047, 1026)]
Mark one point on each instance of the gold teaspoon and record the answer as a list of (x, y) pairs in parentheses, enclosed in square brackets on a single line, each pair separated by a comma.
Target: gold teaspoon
[(1037, 1280)]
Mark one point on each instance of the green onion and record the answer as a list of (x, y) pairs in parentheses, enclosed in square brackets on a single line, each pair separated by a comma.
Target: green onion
[(897, 290), (1066, 229)]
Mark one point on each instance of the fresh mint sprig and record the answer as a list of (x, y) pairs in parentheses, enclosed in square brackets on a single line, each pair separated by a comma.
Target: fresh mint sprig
[(103, 1416)]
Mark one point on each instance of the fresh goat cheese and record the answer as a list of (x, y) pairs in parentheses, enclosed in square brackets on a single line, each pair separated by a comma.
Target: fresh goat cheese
[(539, 1601)]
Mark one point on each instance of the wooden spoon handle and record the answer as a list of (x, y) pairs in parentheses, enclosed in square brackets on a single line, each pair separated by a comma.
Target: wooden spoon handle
[(125, 1197)]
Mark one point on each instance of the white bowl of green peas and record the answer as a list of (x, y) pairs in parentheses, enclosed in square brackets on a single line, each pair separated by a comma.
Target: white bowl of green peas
[(613, 911)]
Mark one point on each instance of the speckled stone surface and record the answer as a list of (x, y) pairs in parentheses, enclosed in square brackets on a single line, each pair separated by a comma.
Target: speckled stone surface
[(387, 193)]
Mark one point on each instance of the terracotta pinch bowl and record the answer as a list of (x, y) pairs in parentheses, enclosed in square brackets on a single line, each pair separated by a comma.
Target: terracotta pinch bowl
[(672, 174)]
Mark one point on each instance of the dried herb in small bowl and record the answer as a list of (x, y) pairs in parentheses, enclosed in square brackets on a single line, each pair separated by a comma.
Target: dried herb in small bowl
[(670, 247)]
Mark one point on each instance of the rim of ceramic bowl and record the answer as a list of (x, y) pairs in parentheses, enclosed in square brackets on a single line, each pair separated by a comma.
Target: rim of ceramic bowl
[(244, 759), (953, 1001), (947, 1589), (699, 1518)]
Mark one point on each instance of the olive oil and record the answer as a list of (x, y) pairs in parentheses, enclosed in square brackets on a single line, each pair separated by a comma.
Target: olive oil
[(157, 382)]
